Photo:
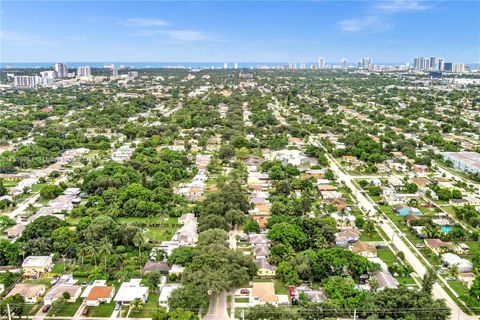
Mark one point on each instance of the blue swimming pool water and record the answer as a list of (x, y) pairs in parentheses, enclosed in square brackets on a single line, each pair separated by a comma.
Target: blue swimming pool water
[(446, 229)]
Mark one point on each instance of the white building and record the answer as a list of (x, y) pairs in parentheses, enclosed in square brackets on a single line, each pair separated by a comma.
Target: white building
[(130, 291), (27, 81), (84, 71), (464, 161), (165, 292), (61, 69), (451, 259)]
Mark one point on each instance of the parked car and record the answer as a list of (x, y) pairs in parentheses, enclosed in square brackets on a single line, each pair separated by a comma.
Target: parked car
[(46, 308), (245, 291), (85, 311), (117, 306), (419, 245), (54, 280)]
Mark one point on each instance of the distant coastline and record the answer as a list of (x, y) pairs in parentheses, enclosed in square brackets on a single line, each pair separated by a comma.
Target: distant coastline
[(145, 65)]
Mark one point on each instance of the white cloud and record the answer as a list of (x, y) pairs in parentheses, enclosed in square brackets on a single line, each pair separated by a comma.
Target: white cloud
[(19, 39), (187, 35), (397, 6), (181, 35), (144, 22), (371, 24)]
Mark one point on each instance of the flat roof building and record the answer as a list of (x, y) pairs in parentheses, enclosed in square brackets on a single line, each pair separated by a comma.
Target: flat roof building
[(464, 161)]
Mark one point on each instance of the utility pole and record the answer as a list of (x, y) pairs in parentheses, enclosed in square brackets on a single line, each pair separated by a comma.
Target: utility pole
[(9, 313)]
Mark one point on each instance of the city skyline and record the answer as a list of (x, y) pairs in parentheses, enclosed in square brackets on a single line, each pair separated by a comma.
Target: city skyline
[(256, 32)]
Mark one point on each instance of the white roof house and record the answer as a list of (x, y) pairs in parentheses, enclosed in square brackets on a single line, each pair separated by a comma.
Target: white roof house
[(452, 259), (165, 292), (130, 291), (37, 261)]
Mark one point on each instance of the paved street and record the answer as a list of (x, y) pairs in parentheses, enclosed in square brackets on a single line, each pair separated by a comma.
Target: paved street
[(397, 240), (217, 309)]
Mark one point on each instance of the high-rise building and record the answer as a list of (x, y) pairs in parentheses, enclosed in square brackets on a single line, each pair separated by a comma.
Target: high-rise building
[(440, 64), (85, 71), (61, 69), (50, 74), (235, 65), (416, 63), (458, 67), (302, 66), (321, 63), (131, 75), (344, 63), (26, 81), (366, 63), (432, 63), (447, 66), (359, 64), (114, 72), (225, 65)]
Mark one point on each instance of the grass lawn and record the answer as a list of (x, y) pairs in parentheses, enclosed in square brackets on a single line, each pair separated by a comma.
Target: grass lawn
[(242, 300), (31, 309), (373, 237), (37, 187), (280, 287), (72, 220), (387, 256), (103, 310), (458, 287), (406, 280), (148, 309), (160, 233), (66, 310), (10, 183)]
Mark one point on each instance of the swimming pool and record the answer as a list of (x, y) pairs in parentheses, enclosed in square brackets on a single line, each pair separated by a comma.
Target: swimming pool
[(446, 229)]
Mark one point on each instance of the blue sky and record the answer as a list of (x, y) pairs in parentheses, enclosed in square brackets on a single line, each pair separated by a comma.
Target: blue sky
[(234, 31)]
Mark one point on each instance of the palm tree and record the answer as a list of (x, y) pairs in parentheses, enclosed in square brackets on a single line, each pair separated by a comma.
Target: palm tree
[(453, 272), (137, 304), (105, 249), (92, 251), (82, 252), (369, 227), (139, 240)]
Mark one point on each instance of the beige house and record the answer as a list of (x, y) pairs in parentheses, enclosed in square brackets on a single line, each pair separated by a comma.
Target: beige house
[(37, 265), (262, 293), (364, 249), (30, 292)]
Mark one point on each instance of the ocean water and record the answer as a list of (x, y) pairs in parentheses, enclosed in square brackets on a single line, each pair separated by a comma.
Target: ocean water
[(142, 65)]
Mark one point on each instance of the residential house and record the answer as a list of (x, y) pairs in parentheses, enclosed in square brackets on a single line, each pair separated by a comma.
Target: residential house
[(165, 292), (438, 246), (410, 218), (37, 265), (265, 269), (262, 293), (467, 278), (156, 266), (130, 291), (451, 259), (313, 295), (15, 231), (364, 249), (385, 280), (58, 291), (261, 250), (346, 237), (30, 292), (100, 294), (339, 203)]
